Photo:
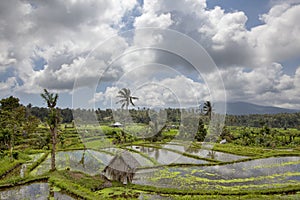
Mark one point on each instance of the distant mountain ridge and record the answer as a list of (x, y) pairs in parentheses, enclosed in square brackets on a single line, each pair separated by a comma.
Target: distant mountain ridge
[(244, 108)]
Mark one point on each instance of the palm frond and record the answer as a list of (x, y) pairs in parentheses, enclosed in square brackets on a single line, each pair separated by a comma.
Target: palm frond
[(121, 101), (131, 102), (50, 98), (123, 105), (121, 94), (125, 98)]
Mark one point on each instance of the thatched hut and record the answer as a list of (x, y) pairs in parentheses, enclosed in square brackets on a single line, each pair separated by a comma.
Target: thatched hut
[(121, 168)]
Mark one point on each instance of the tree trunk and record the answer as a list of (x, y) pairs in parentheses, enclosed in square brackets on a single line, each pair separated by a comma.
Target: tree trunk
[(54, 140)]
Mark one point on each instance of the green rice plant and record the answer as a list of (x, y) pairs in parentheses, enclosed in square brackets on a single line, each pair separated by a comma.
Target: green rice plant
[(38, 162)]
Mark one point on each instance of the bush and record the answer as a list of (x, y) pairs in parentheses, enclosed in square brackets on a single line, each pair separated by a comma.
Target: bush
[(15, 155)]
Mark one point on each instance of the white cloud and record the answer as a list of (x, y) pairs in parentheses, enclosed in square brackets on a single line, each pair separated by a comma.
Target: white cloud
[(7, 87), (60, 33), (46, 43), (178, 91), (278, 39), (266, 86), (150, 19)]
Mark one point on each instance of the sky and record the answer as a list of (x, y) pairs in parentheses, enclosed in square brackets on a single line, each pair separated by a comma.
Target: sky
[(170, 53)]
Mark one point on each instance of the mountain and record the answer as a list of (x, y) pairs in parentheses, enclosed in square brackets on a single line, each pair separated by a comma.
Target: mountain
[(244, 108)]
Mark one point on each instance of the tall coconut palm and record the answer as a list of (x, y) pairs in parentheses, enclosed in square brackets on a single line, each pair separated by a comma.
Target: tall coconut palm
[(207, 108), (53, 121), (125, 98)]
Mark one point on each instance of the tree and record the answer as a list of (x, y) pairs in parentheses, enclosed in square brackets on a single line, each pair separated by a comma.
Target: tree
[(125, 98), (201, 132), (207, 108), (52, 121), (12, 115)]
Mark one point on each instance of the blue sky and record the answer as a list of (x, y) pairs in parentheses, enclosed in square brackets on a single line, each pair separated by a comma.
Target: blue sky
[(84, 51), (253, 9)]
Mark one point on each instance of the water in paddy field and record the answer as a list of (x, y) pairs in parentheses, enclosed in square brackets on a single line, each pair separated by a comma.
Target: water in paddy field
[(87, 161), (37, 191), (220, 156), (165, 156), (21, 169), (260, 173), (143, 161)]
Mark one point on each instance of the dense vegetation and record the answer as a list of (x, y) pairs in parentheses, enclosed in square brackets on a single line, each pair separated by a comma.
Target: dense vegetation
[(29, 132), (140, 115)]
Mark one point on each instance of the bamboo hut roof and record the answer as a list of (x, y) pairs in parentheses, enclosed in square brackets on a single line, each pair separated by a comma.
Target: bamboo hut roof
[(127, 159)]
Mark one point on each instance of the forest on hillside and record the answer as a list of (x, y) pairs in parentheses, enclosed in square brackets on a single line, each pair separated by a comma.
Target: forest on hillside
[(282, 120)]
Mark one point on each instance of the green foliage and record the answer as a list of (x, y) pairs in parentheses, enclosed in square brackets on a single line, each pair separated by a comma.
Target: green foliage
[(201, 132), (9, 104), (76, 183), (119, 193), (265, 136), (189, 129), (38, 162), (281, 120), (236, 197), (20, 131), (17, 181), (7, 165), (284, 189), (12, 116), (53, 120)]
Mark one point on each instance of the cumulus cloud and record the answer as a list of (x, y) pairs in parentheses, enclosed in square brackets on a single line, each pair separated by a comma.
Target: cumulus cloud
[(61, 33), (7, 87), (178, 91), (277, 40), (56, 44), (268, 85)]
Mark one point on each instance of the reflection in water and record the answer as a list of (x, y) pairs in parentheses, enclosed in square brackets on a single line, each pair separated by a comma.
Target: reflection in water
[(37, 191), (23, 170), (164, 156), (220, 156), (265, 172), (82, 159), (211, 154), (87, 161), (191, 149)]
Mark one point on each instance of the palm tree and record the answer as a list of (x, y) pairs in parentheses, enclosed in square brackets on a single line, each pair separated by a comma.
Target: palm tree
[(207, 108), (53, 121), (125, 98)]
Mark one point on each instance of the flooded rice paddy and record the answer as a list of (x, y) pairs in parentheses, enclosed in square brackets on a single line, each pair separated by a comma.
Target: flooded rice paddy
[(260, 173), (37, 191)]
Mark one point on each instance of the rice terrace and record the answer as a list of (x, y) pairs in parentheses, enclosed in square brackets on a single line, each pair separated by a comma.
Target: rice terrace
[(110, 160), (149, 99)]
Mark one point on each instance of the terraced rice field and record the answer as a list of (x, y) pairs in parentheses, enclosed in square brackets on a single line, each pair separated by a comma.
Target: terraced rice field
[(249, 175), (175, 168), (37, 191)]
